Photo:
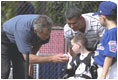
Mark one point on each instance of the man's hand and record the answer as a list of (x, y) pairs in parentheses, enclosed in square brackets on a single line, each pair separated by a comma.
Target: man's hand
[(59, 58)]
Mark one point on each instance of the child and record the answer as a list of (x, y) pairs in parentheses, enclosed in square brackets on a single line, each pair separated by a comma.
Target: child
[(106, 53), (81, 64)]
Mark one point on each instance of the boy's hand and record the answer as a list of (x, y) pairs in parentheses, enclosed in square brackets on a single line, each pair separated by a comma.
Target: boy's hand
[(102, 77), (70, 59)]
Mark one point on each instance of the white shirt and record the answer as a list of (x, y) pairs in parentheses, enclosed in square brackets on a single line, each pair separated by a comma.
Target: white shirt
[(81, 69), (92, 32)]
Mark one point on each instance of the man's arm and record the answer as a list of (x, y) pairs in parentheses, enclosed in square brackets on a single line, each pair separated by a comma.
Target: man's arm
[(106, 66), (33, 58), (43, 59)]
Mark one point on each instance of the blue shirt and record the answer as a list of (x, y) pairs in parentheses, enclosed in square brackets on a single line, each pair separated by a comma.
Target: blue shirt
[(107, 47), (20, 31)]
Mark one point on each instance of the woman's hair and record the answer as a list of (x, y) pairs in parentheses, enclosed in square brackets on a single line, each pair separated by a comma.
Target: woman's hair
[(42, 22)]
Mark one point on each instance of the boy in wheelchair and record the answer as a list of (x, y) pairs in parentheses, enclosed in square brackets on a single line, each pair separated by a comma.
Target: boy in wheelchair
[(80, 66)]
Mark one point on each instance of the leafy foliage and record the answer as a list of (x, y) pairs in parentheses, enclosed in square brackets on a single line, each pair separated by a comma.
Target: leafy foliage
[(54, 9)]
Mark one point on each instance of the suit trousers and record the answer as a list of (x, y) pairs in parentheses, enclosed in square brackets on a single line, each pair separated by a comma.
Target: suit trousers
[(10, 54)]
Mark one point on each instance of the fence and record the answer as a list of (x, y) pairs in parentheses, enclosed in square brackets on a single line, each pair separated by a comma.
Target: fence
[(54, 9), (56, 45)]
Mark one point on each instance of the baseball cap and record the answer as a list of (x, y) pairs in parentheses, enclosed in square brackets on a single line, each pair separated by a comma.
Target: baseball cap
[(105, 8)]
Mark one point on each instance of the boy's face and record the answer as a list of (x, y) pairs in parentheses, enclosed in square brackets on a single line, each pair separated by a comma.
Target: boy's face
[(102, 20), (75, 47)]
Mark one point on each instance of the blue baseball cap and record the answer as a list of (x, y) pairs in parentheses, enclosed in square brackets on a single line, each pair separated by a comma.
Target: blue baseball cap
[(105, 8)]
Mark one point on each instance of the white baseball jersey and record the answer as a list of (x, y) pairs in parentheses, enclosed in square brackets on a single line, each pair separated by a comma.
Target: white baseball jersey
[(92, 32)]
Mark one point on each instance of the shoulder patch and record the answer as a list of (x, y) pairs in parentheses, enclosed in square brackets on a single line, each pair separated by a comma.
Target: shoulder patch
[(112, 46)]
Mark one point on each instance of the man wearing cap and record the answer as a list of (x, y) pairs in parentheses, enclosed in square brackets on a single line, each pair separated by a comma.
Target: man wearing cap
[(106, 53)]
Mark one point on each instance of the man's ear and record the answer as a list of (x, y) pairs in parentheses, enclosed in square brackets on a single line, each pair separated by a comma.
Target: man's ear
[(104, 17), (81, 17), (79, 44)]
